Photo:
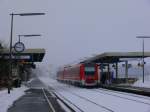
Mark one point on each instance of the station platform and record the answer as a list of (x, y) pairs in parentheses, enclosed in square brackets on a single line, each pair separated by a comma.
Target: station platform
[(128, 89), (36, 99)]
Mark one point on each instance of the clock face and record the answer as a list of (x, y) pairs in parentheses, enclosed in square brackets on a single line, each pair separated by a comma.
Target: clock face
[(19, 47)]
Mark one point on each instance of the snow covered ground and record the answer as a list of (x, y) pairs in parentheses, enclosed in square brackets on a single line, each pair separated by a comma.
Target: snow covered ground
[(96, 100), (82, 99), (140, 83), (6, 100)]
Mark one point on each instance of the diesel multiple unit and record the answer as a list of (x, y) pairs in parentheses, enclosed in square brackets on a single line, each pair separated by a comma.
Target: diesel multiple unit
[(80, 74)]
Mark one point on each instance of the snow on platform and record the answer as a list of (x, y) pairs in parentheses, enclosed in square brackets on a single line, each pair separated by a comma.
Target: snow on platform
[(6, 100), (140, 83)]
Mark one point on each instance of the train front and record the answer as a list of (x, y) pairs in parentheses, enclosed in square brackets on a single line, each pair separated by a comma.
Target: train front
[(90, 75)]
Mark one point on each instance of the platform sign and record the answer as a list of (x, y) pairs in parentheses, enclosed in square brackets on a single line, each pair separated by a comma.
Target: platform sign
[(19, 57), (22, 57)]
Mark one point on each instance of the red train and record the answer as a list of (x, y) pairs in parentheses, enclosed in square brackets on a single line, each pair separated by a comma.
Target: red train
[(80, 74)]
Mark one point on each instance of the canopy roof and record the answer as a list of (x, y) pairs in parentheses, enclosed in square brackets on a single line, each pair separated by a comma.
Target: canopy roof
[(30, 55), (113, 57)]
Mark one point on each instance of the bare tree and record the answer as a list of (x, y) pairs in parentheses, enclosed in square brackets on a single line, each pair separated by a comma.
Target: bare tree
[(4, 66)]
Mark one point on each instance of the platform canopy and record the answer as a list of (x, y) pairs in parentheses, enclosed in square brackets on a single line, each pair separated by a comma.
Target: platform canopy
[(29, 55), (114, 57)]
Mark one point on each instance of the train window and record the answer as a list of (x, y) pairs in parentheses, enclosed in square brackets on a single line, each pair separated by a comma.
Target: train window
[(89, 70)]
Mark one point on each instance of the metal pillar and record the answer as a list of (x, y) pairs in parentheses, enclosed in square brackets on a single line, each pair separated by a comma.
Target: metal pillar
[(101, 67), (108, 73), (108, 68), (116, 70), (10, 55), (126, 71), (143, 60), (143, 37)]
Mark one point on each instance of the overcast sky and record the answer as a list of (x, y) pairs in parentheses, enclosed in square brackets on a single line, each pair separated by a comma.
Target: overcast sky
[(74, 29)]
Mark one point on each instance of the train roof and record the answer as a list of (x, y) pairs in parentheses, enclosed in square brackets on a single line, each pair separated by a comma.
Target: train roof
[(78, 64)]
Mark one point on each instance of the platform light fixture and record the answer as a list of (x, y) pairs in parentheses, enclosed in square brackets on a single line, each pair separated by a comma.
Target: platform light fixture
[(31, 35)]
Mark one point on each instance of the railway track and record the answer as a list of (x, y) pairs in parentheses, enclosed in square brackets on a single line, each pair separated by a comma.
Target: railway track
[(119, 95), (92, 102), (133, 90), (103, 101), (106, 109), (138, 99), (52, 108), (125, 93), (62, 98)]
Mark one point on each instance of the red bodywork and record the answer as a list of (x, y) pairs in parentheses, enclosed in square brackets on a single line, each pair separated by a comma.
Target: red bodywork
[(76, 75)]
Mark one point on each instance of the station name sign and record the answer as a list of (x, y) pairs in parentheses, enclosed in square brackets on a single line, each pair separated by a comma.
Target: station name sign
[(17, 57)]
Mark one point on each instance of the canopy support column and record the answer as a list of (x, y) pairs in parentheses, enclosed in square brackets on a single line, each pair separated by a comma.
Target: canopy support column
[(116, 70), (126, 71)]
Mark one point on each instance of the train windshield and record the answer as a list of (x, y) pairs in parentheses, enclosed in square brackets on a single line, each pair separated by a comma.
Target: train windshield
[(89, 70)]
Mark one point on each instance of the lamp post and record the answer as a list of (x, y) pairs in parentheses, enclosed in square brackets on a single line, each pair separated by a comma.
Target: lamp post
[(143, 37), (11, 38)]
